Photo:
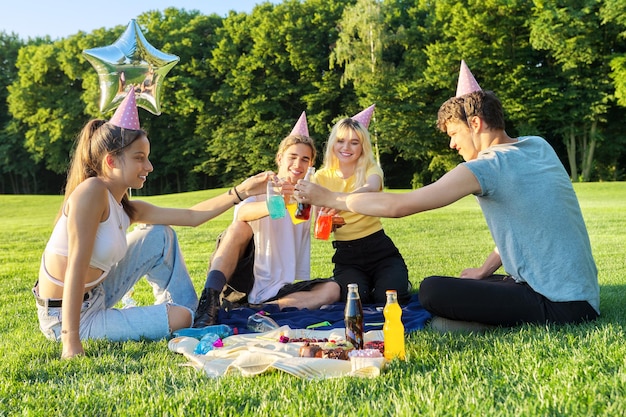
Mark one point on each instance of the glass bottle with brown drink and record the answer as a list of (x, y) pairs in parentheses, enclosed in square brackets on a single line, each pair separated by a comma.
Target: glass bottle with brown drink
[(353, 317)]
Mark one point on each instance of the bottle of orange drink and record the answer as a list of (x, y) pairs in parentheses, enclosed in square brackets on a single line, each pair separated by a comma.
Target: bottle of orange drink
[(393, 330)]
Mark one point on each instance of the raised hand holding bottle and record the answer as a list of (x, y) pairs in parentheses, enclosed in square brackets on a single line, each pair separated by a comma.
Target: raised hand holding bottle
[(303, 210)]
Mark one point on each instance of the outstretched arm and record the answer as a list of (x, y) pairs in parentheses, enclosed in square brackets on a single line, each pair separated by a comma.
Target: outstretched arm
[(204, 211), (453, 186)]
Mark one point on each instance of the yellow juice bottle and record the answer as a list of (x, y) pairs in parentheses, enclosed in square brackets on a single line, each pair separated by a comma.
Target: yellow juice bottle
[(393, 330)]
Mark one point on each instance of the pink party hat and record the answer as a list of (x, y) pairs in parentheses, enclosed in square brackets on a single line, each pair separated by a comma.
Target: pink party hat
[(365, 116), (467, 83), (126, 115), (301, 127)]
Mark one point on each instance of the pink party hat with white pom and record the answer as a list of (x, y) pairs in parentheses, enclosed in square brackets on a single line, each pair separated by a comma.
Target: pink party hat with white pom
[(467, 83), (126, 115), (365, 116), (301, 127)]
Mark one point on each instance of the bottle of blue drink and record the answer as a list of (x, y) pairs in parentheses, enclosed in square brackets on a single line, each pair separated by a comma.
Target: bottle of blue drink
[(275, 201)]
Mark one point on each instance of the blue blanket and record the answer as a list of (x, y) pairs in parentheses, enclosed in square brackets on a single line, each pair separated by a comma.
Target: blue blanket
[(414, 316)]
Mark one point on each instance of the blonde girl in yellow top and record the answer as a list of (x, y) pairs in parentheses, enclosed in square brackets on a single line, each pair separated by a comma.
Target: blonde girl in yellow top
[(364, 254)]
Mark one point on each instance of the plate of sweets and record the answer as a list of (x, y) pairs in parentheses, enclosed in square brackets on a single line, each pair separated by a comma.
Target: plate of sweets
[(332, 349)]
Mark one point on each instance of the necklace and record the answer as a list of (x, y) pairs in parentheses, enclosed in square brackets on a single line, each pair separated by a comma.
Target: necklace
[(119, 218), (117, 207)]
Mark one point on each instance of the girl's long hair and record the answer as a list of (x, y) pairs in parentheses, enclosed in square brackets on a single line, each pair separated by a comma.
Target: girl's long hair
[(341, 130), (97, 139)]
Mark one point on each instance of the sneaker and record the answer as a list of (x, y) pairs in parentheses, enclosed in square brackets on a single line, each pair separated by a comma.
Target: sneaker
[(208, 308), (444, 325)]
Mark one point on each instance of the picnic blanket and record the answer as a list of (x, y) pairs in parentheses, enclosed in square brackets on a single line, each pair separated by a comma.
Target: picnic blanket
[(414, 316), (251, 354)]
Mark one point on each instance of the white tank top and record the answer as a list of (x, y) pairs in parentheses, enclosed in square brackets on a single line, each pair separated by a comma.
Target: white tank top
[(110, 245)]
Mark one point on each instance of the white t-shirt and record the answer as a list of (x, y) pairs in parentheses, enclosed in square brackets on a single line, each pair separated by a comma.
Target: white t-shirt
[(281, 253)]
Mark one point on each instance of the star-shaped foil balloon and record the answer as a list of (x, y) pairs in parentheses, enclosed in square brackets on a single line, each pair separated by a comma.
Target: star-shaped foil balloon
[(130, 62)]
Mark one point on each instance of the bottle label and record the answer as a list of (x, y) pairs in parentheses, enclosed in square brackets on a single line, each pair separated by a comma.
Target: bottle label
[(354, 331)]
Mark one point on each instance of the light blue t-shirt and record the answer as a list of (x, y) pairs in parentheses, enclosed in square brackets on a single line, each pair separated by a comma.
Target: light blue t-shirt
[(535, 220)]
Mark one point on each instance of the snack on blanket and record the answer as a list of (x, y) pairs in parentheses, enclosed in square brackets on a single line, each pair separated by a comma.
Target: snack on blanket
[(337, 350), (375, 344), (285, 339), (366, 358), (365, 353), (326, 350), (310, 351)]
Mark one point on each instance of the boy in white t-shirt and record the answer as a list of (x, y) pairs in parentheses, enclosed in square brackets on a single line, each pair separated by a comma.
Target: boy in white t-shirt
[(258, 258)]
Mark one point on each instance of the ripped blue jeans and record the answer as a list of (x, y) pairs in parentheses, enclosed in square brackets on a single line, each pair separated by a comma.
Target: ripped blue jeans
[(153, 252)]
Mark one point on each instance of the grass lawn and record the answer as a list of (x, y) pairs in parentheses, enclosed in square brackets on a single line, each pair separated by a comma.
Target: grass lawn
[(524, 371)]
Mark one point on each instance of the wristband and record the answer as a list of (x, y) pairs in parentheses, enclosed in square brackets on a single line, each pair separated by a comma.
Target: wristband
[(236, 193)]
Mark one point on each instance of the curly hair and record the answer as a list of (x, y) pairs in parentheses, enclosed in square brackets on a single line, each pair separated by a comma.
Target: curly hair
[(483, 104)]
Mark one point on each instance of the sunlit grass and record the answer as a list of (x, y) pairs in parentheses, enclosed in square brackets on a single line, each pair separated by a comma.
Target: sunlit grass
[(525, 371)]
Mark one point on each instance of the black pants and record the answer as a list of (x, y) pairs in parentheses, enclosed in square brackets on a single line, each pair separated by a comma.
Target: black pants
[(497, 300), (375, 264)]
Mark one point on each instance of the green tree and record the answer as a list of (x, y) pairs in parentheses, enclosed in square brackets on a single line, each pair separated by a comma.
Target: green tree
[(271, 65), (179, 134), (581, 46), (56, 91), (242, 81), (16, 166), (46, 97), (440, 34), (359, 49)]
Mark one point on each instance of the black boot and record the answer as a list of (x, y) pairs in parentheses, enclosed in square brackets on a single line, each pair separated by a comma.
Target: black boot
[(208, 308)]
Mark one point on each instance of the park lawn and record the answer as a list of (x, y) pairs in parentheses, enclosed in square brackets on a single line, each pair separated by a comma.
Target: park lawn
[(524, 371)]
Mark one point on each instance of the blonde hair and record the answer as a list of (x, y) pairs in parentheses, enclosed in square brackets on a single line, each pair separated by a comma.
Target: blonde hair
[(97, 139), (294, 140), (366, 159)]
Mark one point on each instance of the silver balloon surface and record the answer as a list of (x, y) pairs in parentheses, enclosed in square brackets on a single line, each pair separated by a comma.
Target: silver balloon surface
[(130, 63)]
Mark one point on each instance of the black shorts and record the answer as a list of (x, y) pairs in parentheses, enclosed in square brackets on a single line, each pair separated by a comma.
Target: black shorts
[(299, 286), (242, 280)]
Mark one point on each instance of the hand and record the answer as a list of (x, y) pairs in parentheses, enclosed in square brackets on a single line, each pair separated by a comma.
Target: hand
[(255, 185), (287, 190), (338, 221), (310, 193), (329, 211), (71, 345), (472, 273)]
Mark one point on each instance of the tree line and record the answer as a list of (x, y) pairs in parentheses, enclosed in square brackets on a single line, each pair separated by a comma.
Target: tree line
[(559, 68)]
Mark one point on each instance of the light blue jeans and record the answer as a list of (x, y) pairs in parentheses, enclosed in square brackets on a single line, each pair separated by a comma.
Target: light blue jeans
[(153, 252)]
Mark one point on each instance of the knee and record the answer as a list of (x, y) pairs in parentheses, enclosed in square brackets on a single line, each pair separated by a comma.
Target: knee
[(326, 293), (157, 232), (333, 292), (428, 292), (238, 233), (179, 317), (155, 239)]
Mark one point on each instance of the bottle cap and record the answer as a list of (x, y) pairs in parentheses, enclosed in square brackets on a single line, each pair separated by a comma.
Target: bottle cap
[(391, 292)]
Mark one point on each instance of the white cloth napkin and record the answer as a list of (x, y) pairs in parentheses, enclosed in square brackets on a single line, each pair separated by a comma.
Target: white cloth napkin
[(255, 353)]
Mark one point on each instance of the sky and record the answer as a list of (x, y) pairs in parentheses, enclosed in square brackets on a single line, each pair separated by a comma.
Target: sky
[(62, 18)]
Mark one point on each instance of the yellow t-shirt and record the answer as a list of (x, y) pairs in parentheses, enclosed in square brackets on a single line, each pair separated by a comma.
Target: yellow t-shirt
[(357, 225)]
